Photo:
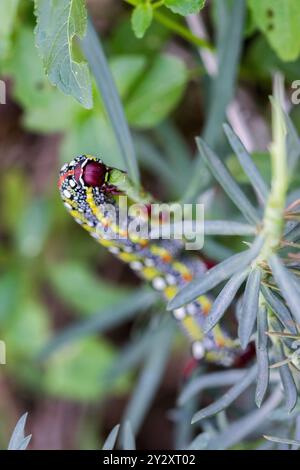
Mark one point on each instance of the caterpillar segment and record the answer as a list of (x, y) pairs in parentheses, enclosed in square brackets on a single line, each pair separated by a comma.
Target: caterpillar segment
[(91, 193)]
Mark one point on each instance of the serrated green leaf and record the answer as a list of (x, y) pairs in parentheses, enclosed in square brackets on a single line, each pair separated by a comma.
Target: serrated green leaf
[(279, 21), (58, 23), (141, 19), (185, 7)]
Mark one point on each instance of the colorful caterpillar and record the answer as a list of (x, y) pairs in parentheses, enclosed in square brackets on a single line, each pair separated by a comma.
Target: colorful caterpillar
[(90, 190)]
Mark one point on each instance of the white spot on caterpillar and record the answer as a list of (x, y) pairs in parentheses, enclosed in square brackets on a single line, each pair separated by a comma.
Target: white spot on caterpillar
[(67, 205), (198, 350), (72, 183), (79, 221), (171, 280), (179, 313), (158, 283), (191, 309), (114, 250), (149, 262), (67, 194), (136, 265), (95, 235), (128, 249), (64, 167)]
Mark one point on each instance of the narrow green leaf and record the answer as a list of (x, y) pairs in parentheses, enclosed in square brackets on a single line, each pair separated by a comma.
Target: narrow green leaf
[(285, 282), (141, 19), (18, 440), (227, 227), (94, 54), (229, 396), (224, 299), (293, 233), (249, 307), (103, 321), (58, 23), (111, 439), (215, 275), (292, 145), (224, 83), (280, 440), (127, 437), (247, 163), (150, 378), (243, 427), (229, 185), (184, 7), (288, 383), (280, 310), (200, 442), (133, 353), (211, 380), (263, 371)]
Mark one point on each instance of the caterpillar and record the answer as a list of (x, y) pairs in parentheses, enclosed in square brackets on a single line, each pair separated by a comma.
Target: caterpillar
[(91, 192)]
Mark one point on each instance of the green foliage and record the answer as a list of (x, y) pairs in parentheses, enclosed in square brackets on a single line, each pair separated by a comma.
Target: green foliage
[(58, 23), (77, 372), (46, 108), (141, 19), (8, 12), (279, 21), (79, 288), (185, 7), (155, 96)]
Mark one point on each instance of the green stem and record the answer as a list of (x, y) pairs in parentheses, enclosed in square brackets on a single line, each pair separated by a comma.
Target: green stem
[(176, 27), (274, 212), (181, 31)]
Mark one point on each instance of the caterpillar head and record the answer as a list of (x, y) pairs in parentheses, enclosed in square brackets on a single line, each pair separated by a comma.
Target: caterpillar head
[(84, 171)]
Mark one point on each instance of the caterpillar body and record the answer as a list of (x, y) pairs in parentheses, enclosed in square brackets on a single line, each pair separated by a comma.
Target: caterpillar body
[(90, 190)]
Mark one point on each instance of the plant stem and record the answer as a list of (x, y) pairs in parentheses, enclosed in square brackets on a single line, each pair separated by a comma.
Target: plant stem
[(182, 31), (274, 212), (176, 27)]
